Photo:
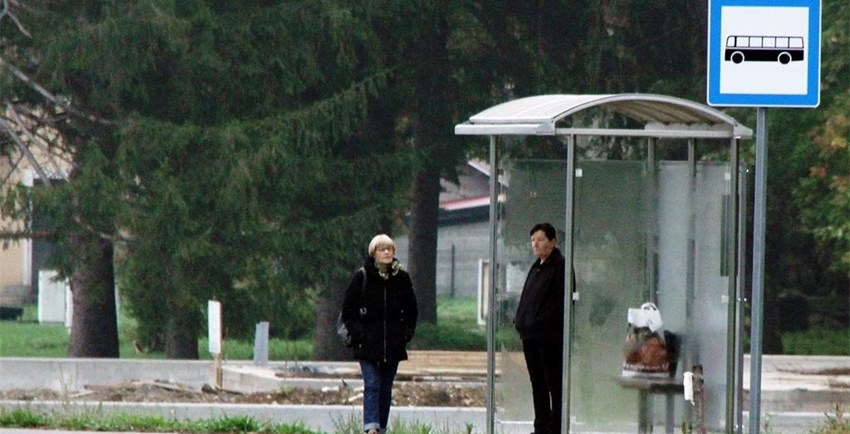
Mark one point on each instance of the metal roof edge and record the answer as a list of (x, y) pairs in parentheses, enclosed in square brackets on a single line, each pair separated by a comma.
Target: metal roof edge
[(538, 115), (693, 105), (468, 129)]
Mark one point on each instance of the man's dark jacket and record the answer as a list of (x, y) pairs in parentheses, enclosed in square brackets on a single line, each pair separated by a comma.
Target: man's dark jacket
[(540, 314)]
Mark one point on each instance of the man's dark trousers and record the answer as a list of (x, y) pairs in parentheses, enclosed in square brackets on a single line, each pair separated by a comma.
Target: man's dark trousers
[(544, 359)]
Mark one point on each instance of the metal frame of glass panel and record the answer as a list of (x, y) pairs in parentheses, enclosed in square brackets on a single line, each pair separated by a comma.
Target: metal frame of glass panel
[(661, 117)]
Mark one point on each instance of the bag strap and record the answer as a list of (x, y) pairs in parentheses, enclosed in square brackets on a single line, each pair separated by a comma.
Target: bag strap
[(649, 306), (363, 286)]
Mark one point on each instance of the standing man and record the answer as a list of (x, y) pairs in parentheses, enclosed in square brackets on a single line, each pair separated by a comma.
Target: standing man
[(539, 321)]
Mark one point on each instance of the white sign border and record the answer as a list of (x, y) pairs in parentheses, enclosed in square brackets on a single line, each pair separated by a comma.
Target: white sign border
[(714, 58)]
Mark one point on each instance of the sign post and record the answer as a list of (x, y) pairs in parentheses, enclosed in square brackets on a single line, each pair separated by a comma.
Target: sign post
[(762, 53), (214, 331)]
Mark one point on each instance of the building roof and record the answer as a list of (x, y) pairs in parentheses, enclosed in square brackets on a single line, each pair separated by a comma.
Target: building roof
[(468, 200)]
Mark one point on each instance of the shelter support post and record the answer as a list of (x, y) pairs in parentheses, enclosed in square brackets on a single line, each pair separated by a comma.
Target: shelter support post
[(690, 290), (568, 283), (651, 224), (759, 213), (491, 300), (742, 299), (731, 317)]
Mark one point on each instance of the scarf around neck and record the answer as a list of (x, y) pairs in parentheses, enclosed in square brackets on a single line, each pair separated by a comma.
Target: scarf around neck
[(386, 270)]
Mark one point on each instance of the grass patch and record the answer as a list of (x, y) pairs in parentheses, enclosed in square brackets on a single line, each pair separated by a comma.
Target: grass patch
[(441, 337), (22, 419), (457, 329), (817, 342), (457, 310), (30, 339), (279, 349), (835, 423), (27, 338), (94, 421)]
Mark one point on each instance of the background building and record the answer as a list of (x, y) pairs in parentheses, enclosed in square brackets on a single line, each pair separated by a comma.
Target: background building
[(462, 238)]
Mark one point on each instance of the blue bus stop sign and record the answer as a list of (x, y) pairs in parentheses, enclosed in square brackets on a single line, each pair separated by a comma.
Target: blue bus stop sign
[(764, 53)]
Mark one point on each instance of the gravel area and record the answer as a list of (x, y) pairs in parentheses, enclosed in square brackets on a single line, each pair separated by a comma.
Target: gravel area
[(405, 393)]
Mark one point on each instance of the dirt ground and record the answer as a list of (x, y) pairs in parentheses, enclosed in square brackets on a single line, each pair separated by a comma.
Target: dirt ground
[(405, 394)]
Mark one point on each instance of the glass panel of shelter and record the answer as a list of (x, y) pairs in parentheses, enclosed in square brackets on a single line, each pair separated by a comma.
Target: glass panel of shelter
[(643, 231)]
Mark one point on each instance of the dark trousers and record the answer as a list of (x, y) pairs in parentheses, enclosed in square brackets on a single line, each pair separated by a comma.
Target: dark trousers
[(544, 359)]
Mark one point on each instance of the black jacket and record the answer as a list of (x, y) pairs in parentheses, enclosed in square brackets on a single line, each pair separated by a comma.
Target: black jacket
[(390, 314), (540, 313)]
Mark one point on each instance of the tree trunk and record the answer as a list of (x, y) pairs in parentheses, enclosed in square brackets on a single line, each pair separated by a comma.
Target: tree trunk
[(327, 345), (181, 334), (422, 246), (94, 327), (432, 132)]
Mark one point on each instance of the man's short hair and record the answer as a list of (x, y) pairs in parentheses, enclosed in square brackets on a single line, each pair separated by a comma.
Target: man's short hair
[(547, 229)]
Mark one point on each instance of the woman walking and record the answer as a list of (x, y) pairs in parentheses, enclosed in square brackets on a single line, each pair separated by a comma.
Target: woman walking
[(381, 314)]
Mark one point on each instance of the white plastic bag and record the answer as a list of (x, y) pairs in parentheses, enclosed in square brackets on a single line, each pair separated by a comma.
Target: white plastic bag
[(647, 316)]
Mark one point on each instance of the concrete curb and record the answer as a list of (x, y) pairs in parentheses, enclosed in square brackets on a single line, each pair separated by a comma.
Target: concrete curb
[(75, 374)]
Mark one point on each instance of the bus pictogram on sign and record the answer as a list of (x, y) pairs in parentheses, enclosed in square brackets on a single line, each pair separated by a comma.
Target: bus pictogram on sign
[(782, 49)]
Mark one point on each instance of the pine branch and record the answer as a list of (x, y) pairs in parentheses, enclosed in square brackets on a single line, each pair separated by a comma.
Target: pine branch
[(57, 101), (24, 234), (49, 138), (7, 12), (24, 150), (34, 140), (13, 166), (330, 119)]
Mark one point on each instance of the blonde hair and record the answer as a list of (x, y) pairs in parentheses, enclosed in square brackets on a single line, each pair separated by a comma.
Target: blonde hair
[(381, 240)]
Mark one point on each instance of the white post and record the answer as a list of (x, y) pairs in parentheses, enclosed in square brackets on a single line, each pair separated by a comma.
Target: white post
[(214, 328)]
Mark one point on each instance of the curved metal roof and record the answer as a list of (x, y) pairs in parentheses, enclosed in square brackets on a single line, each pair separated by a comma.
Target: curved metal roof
[(662, 116)]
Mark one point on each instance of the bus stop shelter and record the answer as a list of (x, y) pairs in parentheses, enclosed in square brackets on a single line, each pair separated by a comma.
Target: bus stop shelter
[(648, 197)]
